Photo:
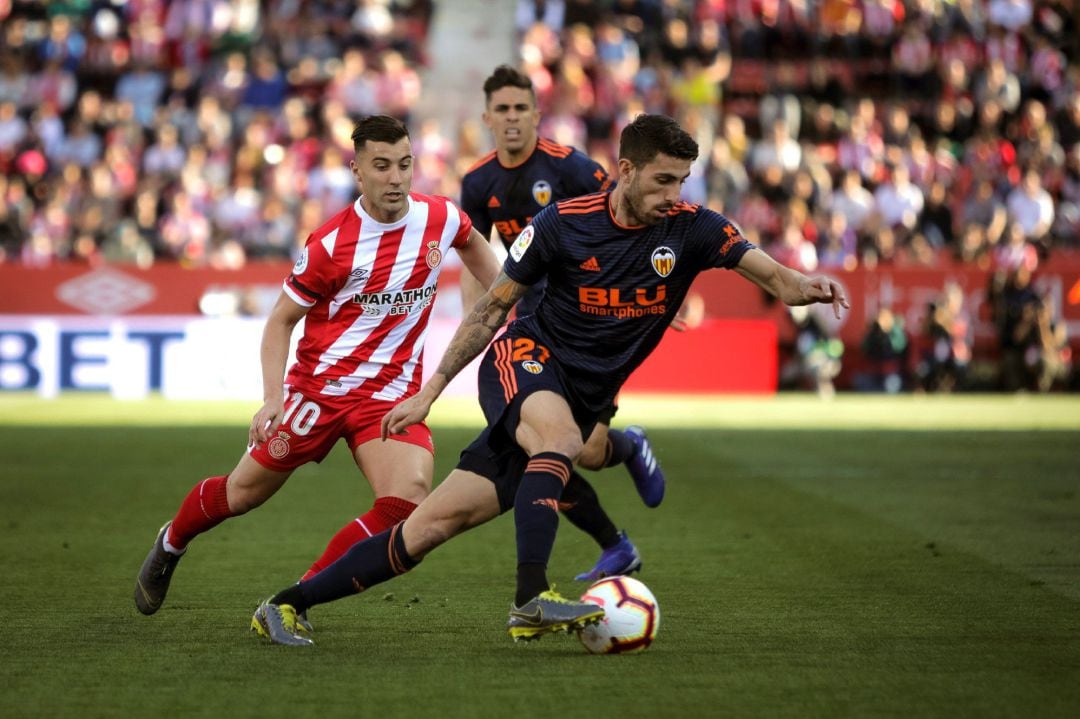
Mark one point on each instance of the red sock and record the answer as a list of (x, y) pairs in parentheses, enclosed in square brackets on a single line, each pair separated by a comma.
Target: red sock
[(385, 513), (205, 507)]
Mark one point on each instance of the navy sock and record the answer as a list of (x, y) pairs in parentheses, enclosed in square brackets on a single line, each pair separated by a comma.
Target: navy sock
[(582, 507), (536, 518), (366, 564), (620, 447)]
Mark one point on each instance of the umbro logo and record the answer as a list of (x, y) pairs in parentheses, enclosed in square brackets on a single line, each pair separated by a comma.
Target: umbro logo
[(590, 265), (494, 202)]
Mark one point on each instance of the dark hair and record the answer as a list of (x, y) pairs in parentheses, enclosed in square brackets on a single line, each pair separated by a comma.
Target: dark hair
[(649, 135), (378, 128), (507, 76)]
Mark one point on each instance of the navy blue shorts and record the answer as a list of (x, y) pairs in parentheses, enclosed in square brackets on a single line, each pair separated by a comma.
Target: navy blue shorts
[(514, 367)]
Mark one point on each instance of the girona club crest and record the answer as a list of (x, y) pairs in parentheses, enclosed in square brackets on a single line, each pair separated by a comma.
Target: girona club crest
[(434, 255), (663, 261), (542, 192), (279, 446)]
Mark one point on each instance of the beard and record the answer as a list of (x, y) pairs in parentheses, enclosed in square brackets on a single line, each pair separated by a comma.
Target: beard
[(634, 199)]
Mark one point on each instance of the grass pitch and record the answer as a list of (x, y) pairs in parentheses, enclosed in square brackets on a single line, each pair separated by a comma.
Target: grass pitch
[(862, 557)]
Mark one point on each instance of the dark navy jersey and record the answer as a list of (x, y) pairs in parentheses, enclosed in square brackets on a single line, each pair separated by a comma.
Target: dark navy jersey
[(507, 198), (612, 290)]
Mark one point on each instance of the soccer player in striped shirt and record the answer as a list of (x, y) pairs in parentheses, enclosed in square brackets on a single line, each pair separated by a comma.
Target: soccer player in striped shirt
[(365, 285), (504, 190), (545, 381)]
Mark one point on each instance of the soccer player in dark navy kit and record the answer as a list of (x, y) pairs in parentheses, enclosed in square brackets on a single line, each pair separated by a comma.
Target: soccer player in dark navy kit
[(504, 190), (618, 265)]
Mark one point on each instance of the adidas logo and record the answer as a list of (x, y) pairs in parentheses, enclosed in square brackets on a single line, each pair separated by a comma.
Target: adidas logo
[(494, 202), (590, 264)]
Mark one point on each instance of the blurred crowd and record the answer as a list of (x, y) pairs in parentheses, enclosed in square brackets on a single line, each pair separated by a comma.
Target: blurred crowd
[(853, 132), (207, 132), (1031, 351), (837, 133)]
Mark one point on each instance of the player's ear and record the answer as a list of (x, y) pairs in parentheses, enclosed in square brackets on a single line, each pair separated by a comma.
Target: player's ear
[(626, 169)]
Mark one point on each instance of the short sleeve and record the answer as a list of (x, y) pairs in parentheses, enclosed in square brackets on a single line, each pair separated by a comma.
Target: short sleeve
[(723, 243), (586, 175), (529, 256), (461, 239), (315, 276)]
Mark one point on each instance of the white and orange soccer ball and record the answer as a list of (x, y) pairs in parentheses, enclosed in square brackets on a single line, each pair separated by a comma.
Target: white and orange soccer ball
[(631, 616)]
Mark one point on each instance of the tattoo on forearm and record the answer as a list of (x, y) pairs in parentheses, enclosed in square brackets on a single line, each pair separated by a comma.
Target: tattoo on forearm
[(480, 326)]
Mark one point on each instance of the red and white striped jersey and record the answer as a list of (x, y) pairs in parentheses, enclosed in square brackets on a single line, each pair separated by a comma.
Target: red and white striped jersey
[(371, 287)]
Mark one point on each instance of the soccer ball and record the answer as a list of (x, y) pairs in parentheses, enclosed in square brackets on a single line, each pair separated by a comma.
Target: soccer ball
[(631, 616)]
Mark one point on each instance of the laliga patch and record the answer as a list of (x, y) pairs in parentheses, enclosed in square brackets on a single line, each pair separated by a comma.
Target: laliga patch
[(542, 192), (663, 261), (301, 263), (532, 367), (517, 250), (279, 446)]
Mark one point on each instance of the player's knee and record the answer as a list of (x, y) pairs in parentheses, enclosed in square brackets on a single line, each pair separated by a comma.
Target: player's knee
[(243, 499), (569, 445), (422, 537), (410, 488)]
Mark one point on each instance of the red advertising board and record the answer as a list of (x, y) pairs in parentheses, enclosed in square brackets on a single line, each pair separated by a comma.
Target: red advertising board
[(735, 349)]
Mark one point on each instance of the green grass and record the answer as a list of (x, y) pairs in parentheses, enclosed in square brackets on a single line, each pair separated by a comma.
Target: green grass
[(785, 411), (869, 558)]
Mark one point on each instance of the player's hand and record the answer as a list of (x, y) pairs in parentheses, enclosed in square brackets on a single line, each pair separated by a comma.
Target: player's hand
[(265, 422), (406, 413), (826, 291)]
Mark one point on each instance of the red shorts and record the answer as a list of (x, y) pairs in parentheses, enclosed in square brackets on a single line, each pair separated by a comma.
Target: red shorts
[(311, 427)]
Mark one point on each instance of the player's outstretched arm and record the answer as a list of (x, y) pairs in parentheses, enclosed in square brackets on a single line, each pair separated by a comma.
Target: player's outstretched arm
[(473, 335), (790, 286), (274, 353)]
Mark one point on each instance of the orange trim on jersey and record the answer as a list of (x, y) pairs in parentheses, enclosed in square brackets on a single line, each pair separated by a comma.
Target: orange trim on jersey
[(482, 161), (582, 205), (615, 221), (554, 148), (584, 200), (504, 365), (683, 206)]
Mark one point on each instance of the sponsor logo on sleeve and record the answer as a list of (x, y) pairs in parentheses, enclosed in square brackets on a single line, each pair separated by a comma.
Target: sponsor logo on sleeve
[(521, 244), (301, 263), (733, 237)]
